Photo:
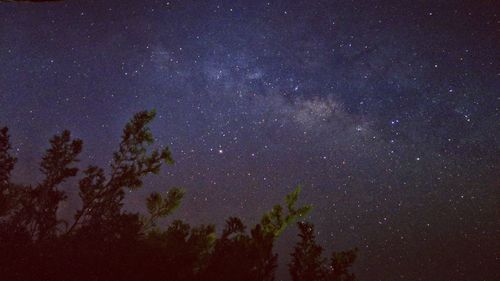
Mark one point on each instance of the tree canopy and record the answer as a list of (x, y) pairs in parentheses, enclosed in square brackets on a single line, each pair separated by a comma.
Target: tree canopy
[(104, 241)]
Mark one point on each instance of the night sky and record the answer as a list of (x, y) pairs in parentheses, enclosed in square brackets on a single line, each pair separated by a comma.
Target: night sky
[(386, 112)]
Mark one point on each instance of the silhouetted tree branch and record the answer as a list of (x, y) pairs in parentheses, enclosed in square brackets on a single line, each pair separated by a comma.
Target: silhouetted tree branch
[(161, 206), (275, 221), (102, 199), (308, 263), (7, 162), (105, 242), (39, 204)]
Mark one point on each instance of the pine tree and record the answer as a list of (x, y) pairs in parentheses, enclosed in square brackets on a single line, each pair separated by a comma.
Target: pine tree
[(106, 242), (7, 162), (307, 263), (339, 265), (38, 206), (103, 197)]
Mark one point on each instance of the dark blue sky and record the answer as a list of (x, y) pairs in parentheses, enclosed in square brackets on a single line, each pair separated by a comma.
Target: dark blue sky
[(385, 111)]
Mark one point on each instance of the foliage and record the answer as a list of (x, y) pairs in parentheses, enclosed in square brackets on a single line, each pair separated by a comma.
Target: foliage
[(105, 242), (340, 264), (238, 255), (275, 222), (7, 162), (37, 213), (308, 263), (161, 206), (102, 197)]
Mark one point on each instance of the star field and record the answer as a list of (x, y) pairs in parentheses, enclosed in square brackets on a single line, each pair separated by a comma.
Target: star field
[(386, 112)]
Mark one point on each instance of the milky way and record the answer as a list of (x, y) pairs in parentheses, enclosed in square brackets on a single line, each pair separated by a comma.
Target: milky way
[(386, 112)]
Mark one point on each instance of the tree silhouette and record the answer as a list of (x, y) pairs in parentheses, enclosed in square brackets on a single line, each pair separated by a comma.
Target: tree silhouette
[(340, 264), (161, 206), (38, 205), (7, 163), (103, 198), (274, 222), (308, 263), (238, 255), (106, 242)]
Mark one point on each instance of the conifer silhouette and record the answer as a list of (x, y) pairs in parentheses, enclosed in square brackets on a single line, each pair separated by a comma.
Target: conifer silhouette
[(106, 242)]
